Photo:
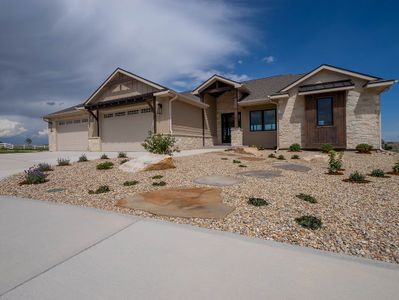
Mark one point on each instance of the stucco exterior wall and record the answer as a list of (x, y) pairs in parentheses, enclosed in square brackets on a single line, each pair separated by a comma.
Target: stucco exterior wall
[(186, 119), (266, 139)]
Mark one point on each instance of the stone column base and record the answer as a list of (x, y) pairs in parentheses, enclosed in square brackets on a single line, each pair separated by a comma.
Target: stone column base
[(236, 137), (95, 144)]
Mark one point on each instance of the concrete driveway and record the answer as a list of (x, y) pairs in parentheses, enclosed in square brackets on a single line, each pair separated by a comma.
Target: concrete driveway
[(56, 251), (17, 162)]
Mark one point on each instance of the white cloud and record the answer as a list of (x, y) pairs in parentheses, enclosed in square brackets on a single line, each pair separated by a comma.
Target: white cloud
[(42, 132), (10, 128), (269, 59), (240, 62)]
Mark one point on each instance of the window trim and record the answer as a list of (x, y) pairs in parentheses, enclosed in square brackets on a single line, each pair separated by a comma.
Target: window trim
[(317, 111), (263, 119)]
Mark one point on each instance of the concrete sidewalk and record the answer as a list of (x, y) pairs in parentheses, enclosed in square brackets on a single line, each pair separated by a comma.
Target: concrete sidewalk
[(52, 251)]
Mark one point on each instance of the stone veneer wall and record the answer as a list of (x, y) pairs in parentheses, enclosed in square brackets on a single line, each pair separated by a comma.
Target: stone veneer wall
[(52, 136), (94, 144), (224, 104), (192, 142), (236, 137)]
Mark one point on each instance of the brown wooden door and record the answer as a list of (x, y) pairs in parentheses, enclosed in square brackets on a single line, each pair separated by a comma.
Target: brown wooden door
[(332, 131)]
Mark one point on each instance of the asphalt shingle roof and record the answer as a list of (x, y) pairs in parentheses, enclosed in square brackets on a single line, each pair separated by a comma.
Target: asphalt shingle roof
[(263, 87), (66, 110)]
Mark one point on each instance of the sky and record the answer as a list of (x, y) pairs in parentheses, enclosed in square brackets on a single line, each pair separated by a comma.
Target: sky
[(55, 53)]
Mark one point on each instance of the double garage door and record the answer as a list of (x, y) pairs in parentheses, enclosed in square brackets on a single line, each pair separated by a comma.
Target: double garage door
[(72, 134), (125, 130)]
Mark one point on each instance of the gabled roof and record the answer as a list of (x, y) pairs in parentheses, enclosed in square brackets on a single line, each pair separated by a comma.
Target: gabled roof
[(129, 74), (213, 79), (67, 110), (330, 68)]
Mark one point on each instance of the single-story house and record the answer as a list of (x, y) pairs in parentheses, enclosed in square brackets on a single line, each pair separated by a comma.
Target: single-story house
[(326, 105)]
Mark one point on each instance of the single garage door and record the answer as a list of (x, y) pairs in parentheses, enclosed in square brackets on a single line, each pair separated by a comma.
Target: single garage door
[(125, 130), (72, 135)]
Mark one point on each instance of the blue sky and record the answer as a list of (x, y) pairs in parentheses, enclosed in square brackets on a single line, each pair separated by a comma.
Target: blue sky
[(56, 52)]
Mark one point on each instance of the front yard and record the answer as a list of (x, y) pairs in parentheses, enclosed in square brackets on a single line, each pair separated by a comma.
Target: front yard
[(357, 219)]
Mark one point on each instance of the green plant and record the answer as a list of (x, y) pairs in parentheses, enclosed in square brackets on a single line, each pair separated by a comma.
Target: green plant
[(335, 162), (124, 161), (224, 158), (34, 176), (160, 183), (257, 201), (309, 222), (306, 197), (281, 157), (295, 156), (242, 166), (295, 147), (44, 167), (271, 155), (236, 161), (377, 173), (356, 177), (104, 156), (325, 148), (157, 177), (105, 165), (130, 183), (364, 148), (82, 158), (160, 144), (260, 148), (395, 168), (63, 162), (101, 189), (122, 155)]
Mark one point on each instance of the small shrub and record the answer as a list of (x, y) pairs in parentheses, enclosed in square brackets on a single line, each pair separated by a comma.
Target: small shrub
[(105, 165), (122, 155), (63, 162), (364, 148), (160, 144), (295, 156), (34, 176), (356, 176), (101, 189), (123, 161), (377, 173), (236, 161), (83, 158), (44, 167), (257, 201), (335, 162), (309, 222), (307, 198), (104, 156), (157, 177), (281, 157), (130, 183), (224, 158), (160, 183), (242, 166), (395, 168), (271, 155), (295, 147), (325, 148), (261, 148)]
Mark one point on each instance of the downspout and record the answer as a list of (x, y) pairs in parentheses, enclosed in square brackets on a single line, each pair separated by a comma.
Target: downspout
[(170, 113), (278, 125)]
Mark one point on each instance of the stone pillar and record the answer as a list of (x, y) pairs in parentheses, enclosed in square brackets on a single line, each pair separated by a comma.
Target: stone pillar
[(95, 144), (236, 137)]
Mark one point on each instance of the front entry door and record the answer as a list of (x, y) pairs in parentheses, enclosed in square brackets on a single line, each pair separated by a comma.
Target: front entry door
[(325, 120), (227, 124)]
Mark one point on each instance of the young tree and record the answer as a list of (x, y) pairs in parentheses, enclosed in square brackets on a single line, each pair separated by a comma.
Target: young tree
[(28, 141)]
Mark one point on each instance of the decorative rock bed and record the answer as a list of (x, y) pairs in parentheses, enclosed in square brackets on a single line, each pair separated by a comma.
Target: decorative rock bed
[(218, 180)]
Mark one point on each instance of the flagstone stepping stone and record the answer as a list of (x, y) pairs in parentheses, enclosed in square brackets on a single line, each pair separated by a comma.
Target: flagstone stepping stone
[(262, 173), (292, 167), (55, 190), (218, 180), (187, 203)]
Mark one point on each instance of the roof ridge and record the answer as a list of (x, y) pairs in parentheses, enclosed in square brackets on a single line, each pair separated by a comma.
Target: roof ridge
[(273, 76)]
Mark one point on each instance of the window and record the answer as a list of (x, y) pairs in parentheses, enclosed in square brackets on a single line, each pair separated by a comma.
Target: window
[(69, 122), (262, 120), (324, 111), (145, 110), (61, 123), (85, 120), (133, 112), (120, 114), (76, 121), (108, 116)]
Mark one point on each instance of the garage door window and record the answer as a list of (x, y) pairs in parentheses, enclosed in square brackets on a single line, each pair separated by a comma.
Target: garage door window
[(108, 116), (133, 112), (76, 121), (145, 110), (120, 114)]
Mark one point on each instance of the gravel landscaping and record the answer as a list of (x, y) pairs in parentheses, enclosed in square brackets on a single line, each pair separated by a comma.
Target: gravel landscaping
[(357, 219)]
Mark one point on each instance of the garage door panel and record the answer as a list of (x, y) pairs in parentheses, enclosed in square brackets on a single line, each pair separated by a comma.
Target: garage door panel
[(126, 132), (72, 136)]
